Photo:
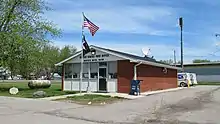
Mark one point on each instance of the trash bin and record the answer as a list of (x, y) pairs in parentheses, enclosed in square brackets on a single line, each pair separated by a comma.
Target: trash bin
[(135, 87)]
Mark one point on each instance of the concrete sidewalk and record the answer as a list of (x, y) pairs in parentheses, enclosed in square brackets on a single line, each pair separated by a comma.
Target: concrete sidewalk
[(123, 95)]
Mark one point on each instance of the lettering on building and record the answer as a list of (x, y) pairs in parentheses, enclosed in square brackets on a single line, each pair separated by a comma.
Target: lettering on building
[(95, 58)]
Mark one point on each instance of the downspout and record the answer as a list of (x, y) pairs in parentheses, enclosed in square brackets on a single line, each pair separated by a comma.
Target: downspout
[(135, 70)]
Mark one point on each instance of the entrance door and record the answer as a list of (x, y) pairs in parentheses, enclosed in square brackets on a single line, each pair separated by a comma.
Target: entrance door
[(102, 79)]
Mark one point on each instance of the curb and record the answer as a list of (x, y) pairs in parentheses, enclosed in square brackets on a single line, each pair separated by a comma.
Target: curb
[(161, 91), (122, 95), (61, 97)]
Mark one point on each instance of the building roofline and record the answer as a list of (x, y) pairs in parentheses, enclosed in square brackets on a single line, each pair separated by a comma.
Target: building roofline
[(138, 60), (121, 56), (200, 64), (67, 59)]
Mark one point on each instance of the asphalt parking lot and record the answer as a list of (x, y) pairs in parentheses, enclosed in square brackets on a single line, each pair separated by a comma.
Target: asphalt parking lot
[(196, 105)]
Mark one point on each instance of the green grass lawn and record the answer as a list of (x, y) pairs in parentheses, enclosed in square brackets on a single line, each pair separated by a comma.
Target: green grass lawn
[(25, 91), (94, 99)]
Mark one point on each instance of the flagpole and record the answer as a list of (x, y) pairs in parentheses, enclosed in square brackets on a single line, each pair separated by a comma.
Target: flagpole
[(81, 72)]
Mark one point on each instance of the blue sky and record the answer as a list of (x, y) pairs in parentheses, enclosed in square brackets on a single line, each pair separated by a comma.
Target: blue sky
[(131, 25)]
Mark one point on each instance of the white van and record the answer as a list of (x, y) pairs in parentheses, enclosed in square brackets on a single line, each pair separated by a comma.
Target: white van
[(184, 78)]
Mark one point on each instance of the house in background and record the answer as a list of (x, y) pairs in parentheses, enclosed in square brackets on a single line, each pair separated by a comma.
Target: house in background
[(107, 70), (206, 72)]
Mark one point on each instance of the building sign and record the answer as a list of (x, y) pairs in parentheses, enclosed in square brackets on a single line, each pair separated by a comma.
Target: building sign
[(98, 57), (95, 58)]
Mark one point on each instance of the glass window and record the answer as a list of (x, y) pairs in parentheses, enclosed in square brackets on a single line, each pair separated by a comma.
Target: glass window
[(68, 70), (103, 64), (102, 72), (76, 70), (86, 70), (112, 70), (94, 70)]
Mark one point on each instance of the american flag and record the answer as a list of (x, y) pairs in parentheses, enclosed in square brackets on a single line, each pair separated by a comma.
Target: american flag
[(91, 26)]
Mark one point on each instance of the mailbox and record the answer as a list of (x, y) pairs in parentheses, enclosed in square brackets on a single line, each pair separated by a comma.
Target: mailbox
[(135, 87)]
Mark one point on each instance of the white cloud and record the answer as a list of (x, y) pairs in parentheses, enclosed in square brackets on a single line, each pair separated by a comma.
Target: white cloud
[(124, 19), (149, 20)]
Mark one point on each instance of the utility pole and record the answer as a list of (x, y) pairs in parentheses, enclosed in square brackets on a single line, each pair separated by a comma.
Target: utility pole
[(181, 40), (174, 57)]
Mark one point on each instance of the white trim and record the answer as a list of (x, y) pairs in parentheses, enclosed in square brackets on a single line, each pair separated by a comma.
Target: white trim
[(94, 48), (71, 57), (98, 77), (89, 73), (160, 65), (124, 57), (147, 62)]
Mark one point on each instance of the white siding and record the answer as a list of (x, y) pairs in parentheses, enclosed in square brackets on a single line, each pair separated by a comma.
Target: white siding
[(75, 85), (72, 82), (67, 85), (110, 57), (112, 85), (208, 78), (208, 73)]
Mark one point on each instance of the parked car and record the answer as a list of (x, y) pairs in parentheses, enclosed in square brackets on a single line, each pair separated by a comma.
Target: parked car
[(14, 78), (56, 76)]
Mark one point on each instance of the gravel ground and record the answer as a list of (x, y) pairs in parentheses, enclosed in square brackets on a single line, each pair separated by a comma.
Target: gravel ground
[(196, 105)]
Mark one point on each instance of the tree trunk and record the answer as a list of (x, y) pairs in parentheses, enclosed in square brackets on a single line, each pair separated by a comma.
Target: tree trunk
[(11, 75), (6, 20)]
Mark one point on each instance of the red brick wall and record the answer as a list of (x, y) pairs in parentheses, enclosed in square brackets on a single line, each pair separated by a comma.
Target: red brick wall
[(125, 75), (153, 77)]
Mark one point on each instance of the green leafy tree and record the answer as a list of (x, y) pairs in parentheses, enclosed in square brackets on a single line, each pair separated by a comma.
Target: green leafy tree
[(170, 61), (51, 55), (23, 34), (200, 60), (66, 52)]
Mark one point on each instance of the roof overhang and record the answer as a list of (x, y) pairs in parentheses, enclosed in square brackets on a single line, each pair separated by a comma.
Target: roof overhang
[(157, 64), (121, 56), (78, 53)]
